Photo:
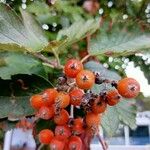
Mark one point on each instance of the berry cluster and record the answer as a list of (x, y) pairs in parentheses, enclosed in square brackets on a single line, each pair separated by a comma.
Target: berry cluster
[(71, 95)]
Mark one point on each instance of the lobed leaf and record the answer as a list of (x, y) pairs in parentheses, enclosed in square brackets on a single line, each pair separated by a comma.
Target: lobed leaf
[(18, 63), (78, 30), (20, 33), (120, 41), (15, 95)]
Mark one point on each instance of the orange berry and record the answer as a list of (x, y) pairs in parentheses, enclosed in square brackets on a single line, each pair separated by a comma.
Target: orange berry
[(63, 131), (113, 97), (62, 118), (99, 106), (73, 67), (49, 96), (76, 97), (77, 127), (45, 136), (57, 144), (62, 99), (75, 143), (128, 88), (85, 79), (92, 119), (36, 101), (78, 121), (46, 112)]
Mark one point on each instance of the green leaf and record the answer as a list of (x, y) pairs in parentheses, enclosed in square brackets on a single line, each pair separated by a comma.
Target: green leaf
[(110, 121), (18, 63), (55, 46), (119, 41), (24, 32), (104, 73), (15, 95), (123, 112), (12, 47), (15, 108), (78, 30), (126, 110)]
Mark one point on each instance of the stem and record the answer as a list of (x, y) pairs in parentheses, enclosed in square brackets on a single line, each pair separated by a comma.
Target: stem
[(103, 143), (85, 58), (58, 60), (71, 111), (88, 38), (45, 60), (40, 147)]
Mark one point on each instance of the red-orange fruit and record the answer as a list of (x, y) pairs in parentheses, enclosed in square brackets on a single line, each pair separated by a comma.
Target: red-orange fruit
[(46, 112), (128, 88), (99, 106), (45, 136), (57, 144), (92, 119), (85, 79), (62, 100), (75, 143), (63, 131), (113, 97), (76, 97), (62, 118), (49, 96), (73, 67), (36, 101)]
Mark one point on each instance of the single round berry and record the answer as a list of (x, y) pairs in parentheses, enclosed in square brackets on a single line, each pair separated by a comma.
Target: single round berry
[(56, 144), (99, 106), (36, 101), (49, 96), (85, 79), (77, 127), (62, 100), (113, 97), (63, 131), (92, 119), (62, 118), (91, 6), (45, 136), (75, 143), (73, 67), (128, 88), (76, 97), (46, 112), (78, 122)]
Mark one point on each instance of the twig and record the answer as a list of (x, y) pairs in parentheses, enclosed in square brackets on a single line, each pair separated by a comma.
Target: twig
[(45, 60), (85, 58), (103, 143), (71, 111), (88, 38), (40, 147), (58, 60)]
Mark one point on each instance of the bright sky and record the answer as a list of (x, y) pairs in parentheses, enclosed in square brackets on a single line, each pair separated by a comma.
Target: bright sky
[(136, 73)]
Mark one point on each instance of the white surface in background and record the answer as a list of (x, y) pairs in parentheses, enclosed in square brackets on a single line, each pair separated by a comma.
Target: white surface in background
[(136, 73), (19, 137), (123, 147)]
